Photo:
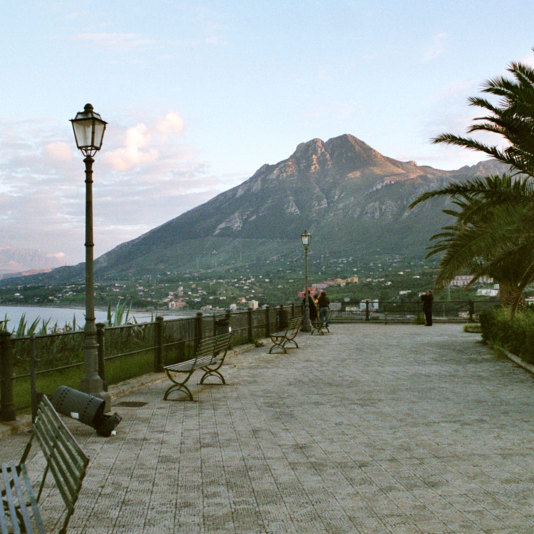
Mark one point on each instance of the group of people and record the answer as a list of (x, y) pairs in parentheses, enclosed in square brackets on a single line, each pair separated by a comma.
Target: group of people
[(318, 307)]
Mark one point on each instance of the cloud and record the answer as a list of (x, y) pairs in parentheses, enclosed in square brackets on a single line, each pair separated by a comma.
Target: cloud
[(171, 123), (144, 176), (436, 48), (59, 150), (132, 153), (528, 59), (117, 41)]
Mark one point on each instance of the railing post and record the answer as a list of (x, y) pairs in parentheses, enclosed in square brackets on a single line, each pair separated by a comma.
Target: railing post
[(250, 330), (367, 310), (292, 310), (34, 394), (267, 322), (214, 324), (158, 345), (100, 331), (198, 327), (228, 317), (7, 408)]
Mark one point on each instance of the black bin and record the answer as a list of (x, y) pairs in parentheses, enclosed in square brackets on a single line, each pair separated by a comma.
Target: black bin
[(85, 408)]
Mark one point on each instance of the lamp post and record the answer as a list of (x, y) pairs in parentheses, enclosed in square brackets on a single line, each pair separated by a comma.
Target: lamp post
[(306, 324), (89, 131)]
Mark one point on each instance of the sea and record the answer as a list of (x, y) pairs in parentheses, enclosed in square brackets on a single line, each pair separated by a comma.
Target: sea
[(61, 316)]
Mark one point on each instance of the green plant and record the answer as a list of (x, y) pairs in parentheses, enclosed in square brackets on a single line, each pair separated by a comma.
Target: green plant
[(516, 336)]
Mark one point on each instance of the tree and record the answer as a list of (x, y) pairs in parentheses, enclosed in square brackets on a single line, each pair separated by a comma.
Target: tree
[(512, 118), (492, 233)]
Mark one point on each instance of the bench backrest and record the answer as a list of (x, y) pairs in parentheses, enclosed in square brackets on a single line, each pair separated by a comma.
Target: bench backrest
[(212, 346), (294, 324), (64, 457)]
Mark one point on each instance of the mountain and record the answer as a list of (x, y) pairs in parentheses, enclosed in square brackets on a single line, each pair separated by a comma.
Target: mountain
[(18, 261), (353, 200)]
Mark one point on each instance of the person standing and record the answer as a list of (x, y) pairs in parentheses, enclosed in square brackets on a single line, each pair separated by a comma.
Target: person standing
[(312, 309), (427, 299), (324, 303)]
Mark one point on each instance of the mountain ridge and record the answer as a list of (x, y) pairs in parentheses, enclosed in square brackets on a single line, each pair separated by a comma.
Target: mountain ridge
[(351, 197)]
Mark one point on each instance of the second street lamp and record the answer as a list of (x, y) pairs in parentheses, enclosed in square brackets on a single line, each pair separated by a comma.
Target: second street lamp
[(89, 131), (306, 324)]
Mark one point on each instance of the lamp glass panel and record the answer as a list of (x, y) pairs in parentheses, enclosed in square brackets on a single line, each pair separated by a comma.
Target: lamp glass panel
[(83, 130)]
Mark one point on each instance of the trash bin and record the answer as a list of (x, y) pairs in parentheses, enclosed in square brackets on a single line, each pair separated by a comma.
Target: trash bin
[(85, 408)]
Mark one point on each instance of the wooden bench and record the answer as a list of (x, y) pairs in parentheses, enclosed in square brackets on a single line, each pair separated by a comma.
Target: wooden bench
[(209, 357), (280, 340), (64, 459), (320, 327)]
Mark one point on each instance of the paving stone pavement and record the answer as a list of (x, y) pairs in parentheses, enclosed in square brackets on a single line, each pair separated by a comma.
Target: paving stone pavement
[(371, 429)]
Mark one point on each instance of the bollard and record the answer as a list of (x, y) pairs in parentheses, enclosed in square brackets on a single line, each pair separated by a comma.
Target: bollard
[(158, 345), (283, 319), (198, 327), (471, 311), (249, 326), (267, 322), (100, 330), (34, 394), (7, 408)]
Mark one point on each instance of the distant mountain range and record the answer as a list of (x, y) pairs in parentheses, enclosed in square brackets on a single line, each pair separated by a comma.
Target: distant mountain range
[(351, 198), (23, 262)]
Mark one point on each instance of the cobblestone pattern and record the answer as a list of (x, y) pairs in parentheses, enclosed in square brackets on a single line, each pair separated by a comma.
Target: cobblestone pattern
[(371, 429)]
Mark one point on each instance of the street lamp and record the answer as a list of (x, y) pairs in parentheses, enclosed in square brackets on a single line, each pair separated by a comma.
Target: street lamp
[(306, 324), (89, 131)]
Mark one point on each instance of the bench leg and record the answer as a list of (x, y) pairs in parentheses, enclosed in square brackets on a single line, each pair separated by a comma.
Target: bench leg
[(292, 341), (212, 372), (280, 346), (178, 386)]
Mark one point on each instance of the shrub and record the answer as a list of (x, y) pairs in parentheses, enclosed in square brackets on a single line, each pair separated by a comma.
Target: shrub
[(516, 336)]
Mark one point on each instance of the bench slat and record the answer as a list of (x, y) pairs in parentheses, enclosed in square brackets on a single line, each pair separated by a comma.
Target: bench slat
[(57, 446), (33, 501), (9, 496), (189, 364), (72, 454), (3, 520), (21, 498)]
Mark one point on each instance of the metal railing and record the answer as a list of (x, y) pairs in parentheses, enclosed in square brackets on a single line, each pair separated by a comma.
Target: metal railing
[(407, 311), (42, 363)]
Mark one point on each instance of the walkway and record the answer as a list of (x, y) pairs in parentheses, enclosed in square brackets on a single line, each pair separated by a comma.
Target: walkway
[(372, 429)]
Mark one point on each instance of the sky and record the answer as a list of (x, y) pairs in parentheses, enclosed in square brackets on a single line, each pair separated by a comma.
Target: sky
[(199, 94)]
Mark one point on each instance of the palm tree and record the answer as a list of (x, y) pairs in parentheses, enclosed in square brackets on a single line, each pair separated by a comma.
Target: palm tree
[(493, 231), (493, 234), (512, 118)]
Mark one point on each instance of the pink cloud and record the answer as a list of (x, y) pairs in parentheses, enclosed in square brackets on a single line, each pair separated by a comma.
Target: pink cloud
[(59, 150)]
